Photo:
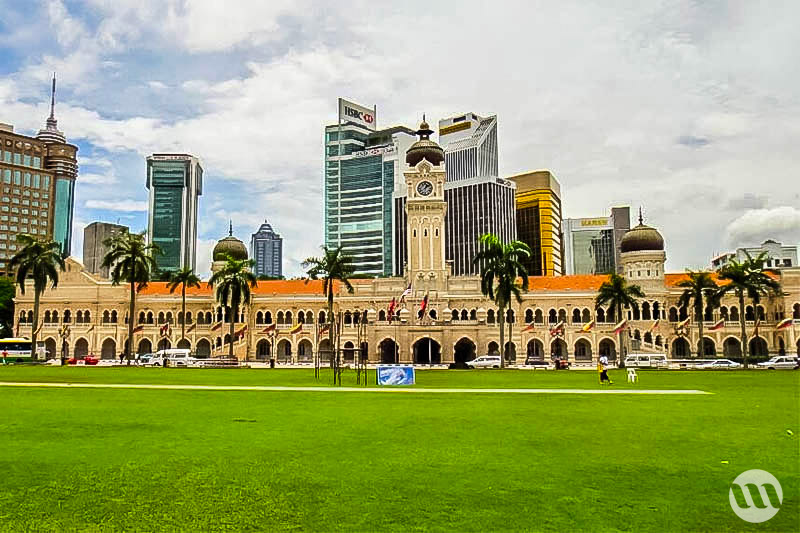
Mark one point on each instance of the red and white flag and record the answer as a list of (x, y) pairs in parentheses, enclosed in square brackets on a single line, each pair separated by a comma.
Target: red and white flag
[(654, 326), (390, 311), (424, 304), (529, 327), (620, 326), (783, 324), (558, 328), (269, 329), (719, 324), (406, 292)]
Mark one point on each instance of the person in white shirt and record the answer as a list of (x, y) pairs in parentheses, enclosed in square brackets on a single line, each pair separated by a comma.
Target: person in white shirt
[(604, 373)]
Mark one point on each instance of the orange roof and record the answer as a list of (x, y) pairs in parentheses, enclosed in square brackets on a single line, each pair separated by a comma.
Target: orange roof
[(289, 286), (577, 282), (672, 280)]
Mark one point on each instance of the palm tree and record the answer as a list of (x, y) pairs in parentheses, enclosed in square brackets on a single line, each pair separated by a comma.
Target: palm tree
[(334, 265), (184, 278), (501, 265), (131, 261), (700, 290), (233, 282), (39, 261), (618, 293), (747, 278)]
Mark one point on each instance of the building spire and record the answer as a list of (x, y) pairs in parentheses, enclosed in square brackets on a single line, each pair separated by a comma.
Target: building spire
[(50, 133), (230, 228), (641, 220), (53, 99)]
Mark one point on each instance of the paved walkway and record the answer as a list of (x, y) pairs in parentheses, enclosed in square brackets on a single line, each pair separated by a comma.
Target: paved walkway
[(404, 390)]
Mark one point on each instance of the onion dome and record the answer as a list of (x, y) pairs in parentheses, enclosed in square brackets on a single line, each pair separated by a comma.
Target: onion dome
[(424, 148), (641, 238), (231, 247)]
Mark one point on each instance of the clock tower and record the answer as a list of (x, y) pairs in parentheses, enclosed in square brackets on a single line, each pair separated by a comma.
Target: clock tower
[(425, 212)]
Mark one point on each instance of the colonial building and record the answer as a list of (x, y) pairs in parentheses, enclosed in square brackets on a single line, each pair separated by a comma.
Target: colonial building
[(557, 315)]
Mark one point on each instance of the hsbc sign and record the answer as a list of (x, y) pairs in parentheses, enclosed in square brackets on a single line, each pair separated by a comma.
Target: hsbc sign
[(350, 112)]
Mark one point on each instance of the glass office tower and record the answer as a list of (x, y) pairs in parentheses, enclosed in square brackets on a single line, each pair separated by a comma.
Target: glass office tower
[(175, 182)]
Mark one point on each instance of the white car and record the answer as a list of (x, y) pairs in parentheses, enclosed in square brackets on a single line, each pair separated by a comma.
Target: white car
[(485, 361), (646, 360), (720, 364), (779, 361)]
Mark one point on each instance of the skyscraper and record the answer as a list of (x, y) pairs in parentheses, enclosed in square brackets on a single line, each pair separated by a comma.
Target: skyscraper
[(363, 166), (38, 179), (266, 248), (94, 248), (591, 245), (539, 221), (175, 182), (470, 146)]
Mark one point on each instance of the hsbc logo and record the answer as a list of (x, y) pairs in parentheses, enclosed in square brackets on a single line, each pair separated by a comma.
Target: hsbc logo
[(367, 118)]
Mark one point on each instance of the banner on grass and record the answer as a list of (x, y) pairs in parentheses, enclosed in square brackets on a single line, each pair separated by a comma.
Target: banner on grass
[(396, 375)]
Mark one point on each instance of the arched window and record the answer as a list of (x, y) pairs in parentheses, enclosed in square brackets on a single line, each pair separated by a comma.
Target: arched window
[(382, 315), (188, 317), (601, 314), (68, 316), (87, 317), (310, 317), (348, 318), (106, 317), (723, 313), (708, 316), (288, 318), (749, 314), (149, 317), (656, 311), (259, 318), (761, 314), (169, 317), (464, 314), (47, 317), (55, 316), (796, 311), (636, 314), (673, 314), (30, 317), (432, 314), (734, 314), (301, 317), (490, 316), (645, 310), (320, 319), (161, 317), (142, 318), (538, 316), (648, 337), (528, 316), (586, 317), (562, 315), (510, 316), (552, 317), (576, 316), (454, 314), (473, 314), (280, 317)]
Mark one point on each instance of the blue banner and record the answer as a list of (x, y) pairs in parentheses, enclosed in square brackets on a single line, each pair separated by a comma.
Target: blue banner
[(395, 375)]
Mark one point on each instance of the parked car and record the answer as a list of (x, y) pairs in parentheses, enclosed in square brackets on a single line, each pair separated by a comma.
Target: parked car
[(720, 364), (537, 363), (169, 357), (779, 362), (88, 360), (646, 360), (485, 361)]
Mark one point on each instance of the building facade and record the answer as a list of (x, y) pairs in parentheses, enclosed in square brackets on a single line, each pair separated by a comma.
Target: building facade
[(778, 255), (539, 225), (38, 179), (362, 169), (441, 318), (470, 146), (266, 249), (175, 182), (591, 245), (94, 248)]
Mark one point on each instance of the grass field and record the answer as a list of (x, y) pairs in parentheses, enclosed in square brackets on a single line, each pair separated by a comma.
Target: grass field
[(133, 459)]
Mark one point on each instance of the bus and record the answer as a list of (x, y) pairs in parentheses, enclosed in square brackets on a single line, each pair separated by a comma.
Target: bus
[(18, 350)]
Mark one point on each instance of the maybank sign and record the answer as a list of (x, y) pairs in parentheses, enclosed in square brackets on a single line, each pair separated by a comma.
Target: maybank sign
[(357, 114), (594, 222)]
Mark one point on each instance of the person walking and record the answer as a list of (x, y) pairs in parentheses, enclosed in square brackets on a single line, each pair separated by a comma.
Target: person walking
[(604, 370)]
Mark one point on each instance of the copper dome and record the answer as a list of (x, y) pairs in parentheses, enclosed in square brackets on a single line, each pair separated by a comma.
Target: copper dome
[(231, 247), (642, 238), (424, 148)]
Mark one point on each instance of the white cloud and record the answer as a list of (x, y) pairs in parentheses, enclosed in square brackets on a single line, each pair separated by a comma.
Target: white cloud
[(119, 205), (757, 225), (97, 179)]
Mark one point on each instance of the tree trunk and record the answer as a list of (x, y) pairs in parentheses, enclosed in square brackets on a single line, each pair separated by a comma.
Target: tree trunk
[(331, 324), (744, 329), (621, 356), (183, 312), (131, 311), (700, 316), (233, 311), (502, 337), (34, 332)]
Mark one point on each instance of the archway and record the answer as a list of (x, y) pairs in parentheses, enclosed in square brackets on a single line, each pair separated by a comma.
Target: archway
[(758, 347), (109, 349), (145, 346), (185, 344), (680, 347), (608, 349), (798, 347), (284, 351), (164, 344), (535, 350), (583, 350), (325, 351), (781, 346), (464, 350), (81, 348), (305, 350), (709, 347), (50, 346), (389, 353), (558, 348), (203, 348), (349, 352), (427, 351), (494, 348), (732, 347), (262, 349), (511, 352)]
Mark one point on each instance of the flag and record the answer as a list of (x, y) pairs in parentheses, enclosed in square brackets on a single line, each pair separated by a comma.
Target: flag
[(324, 329), (529, 327), (296, 329), (654, 326), (392, 305), (558, 328), (41, 324), (783, 324), (682, 324), (719, 324), (90, 328), (588, 326), (191, 328), (269, 329), (164, 330), (216, 326), (755, 329), (424, 303), (620, 326), (138, 329), (241, 332), (406, 292)]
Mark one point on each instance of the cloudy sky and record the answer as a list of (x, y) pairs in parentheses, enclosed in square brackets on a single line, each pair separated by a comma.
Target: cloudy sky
[(689, 109)]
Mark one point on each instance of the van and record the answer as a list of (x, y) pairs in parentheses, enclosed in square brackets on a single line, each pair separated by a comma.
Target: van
[(174, 356), (646, 360)]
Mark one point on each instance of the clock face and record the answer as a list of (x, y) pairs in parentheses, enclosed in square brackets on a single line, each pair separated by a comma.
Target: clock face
[(425, 188)]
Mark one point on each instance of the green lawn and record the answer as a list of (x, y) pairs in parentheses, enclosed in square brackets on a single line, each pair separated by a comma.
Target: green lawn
[(114, 459)]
